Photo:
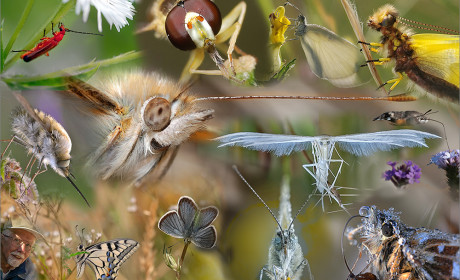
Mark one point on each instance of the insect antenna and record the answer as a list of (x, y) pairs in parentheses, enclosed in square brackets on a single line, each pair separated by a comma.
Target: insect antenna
[(341, 245), (427, 26), (252, 189), (292, 5), (88, 33), (397, 98), (443, 127), (78, 190), (300, 210)]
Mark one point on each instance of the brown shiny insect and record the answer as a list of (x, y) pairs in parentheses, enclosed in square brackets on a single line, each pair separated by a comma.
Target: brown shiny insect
[(197, 26)]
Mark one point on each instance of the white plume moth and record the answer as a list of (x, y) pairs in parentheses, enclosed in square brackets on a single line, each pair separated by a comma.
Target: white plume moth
[(362, 144)]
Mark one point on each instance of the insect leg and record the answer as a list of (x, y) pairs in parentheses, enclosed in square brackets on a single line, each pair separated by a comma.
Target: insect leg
[(319, 186), (231, 29), (268, 272), (195, 60), (379, 45)]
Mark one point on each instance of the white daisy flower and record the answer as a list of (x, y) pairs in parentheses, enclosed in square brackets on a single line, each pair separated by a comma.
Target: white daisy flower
[(115, 11)]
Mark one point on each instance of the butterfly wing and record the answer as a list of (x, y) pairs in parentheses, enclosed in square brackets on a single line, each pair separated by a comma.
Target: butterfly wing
[(438, 54), (330, 56), (435, 253), (365, 144), (188, 211), (278, 144), (171, 224), (106, 258), (206, 217), (205, 237), (101, 102)]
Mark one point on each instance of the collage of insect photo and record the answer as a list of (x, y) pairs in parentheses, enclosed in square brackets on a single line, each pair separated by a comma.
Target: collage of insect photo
[(212, 139)]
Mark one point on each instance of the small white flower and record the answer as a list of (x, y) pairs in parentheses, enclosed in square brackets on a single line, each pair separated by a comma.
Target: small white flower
[(115, 11)]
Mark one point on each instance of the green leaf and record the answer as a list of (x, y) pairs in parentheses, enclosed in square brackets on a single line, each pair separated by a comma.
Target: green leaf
[(78, 253), (57, 80), (13, 190), (18, 29), (62, 10), (2, 169), (2, 57), (284, 70)]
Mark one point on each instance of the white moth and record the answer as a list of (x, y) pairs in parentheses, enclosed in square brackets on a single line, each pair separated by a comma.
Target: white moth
[(285, 257), (362, 144), (143, 118)]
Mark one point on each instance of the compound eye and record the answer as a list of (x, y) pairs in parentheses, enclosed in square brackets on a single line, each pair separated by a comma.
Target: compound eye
[(387, 230), (389, 20), (157, 113), (63, 163), (175, 21)]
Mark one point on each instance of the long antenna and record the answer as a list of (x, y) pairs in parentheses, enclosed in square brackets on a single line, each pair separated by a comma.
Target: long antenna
[(300, 210), (436, 28), (397, 98), (88, 33), (266, 206), (445, 134), (341, 243)]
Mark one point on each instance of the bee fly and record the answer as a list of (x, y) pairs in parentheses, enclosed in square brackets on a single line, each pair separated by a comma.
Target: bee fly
[(43, 137)]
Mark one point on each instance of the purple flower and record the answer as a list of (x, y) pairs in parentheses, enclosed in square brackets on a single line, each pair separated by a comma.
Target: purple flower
[(450, 162), (408, 173)]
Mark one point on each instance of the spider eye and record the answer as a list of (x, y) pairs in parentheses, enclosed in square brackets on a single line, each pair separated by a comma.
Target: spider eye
[(175, 21), (387, 230), (157, 113)]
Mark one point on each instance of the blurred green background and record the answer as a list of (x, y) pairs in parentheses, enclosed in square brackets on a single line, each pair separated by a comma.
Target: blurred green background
[(245, 228)]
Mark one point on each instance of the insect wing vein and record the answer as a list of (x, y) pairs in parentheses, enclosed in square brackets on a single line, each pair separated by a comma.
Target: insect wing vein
[(330, 56), (279, 144), (368, 143), (188, 211), (172, 224), (206, 217), (438, 54), (205, 237)]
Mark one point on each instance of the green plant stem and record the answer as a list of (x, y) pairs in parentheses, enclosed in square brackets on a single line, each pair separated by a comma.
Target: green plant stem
[(18, 29), (181, 261), (62, 10)]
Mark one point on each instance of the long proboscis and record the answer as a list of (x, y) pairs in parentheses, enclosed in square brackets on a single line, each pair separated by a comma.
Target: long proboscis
[(254, 191), (395, 98), (78, 190)]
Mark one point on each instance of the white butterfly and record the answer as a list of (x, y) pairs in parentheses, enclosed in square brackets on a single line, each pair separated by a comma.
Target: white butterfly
[(191, 223), (105, 258), (362, 144), (285, 257), (329, 56)]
